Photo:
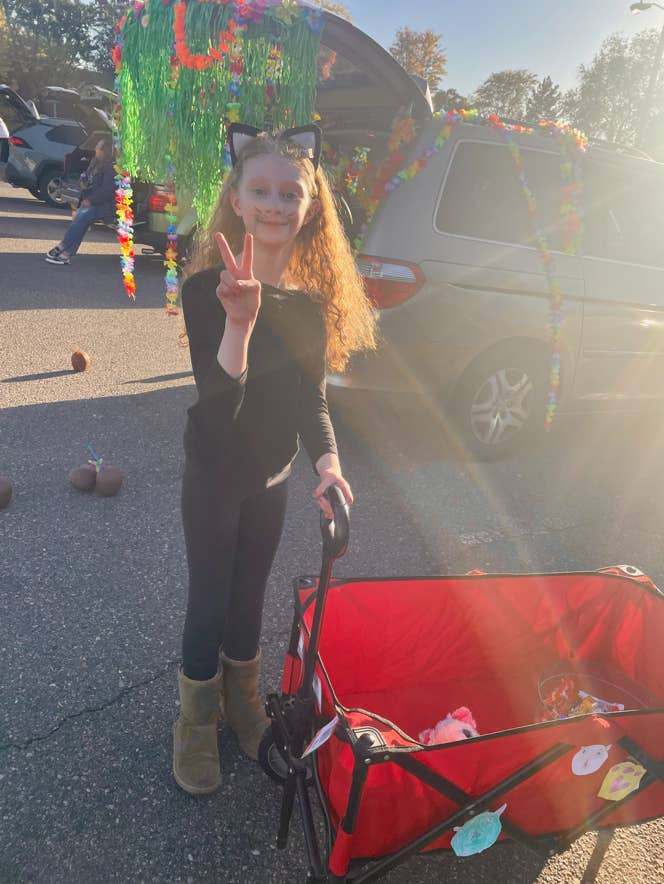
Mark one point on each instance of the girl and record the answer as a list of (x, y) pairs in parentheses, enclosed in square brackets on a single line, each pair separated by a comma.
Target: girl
[(263, 326)]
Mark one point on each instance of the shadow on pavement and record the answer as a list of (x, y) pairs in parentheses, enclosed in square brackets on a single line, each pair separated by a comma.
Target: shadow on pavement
[(90, 281), (43, 376), (161, 378)]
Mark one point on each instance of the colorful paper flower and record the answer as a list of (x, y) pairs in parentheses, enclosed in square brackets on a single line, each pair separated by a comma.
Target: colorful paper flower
[(287, 12)]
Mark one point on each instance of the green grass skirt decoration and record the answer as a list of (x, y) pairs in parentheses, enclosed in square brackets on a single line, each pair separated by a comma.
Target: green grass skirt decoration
[(185, 116)]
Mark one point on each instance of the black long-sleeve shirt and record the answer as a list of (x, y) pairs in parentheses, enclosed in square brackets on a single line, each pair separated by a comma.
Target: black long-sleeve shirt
[(249, 427)]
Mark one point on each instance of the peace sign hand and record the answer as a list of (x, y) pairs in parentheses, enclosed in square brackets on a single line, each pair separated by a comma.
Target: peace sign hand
[(238, 290)]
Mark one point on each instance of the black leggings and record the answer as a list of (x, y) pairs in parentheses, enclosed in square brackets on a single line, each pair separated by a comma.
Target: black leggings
[(231, 542)]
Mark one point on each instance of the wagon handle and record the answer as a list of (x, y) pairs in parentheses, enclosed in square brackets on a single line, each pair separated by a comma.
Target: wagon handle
[(335, 531), (335, 541)]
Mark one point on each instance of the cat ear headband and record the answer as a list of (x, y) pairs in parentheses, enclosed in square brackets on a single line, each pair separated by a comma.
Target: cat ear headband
[(309, 138)]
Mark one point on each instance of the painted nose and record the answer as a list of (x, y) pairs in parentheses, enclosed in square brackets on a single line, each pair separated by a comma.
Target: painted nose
[(272, 204)]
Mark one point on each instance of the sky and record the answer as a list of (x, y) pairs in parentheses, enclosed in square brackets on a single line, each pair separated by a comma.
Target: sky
[(483, 36)]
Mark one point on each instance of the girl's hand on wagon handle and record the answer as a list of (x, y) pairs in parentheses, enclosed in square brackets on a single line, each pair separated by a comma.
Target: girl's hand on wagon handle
[(240, 295), (329, 472)]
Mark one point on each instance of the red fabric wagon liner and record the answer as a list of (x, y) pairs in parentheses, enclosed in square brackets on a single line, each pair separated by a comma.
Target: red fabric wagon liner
[(397, 655)]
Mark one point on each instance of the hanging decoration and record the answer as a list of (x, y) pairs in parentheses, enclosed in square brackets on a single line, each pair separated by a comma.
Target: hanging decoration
[(588, 759), (479, 833), (621, 780), (345, 171), (570, 232), (184, 71), (171, 208)]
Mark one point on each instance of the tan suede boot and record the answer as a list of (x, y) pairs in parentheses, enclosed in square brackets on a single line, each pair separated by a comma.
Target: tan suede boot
[(195, 749), (241, 704)]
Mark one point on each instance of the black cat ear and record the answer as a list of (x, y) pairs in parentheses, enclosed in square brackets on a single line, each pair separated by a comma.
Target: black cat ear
[(309, 138), (238, 136)]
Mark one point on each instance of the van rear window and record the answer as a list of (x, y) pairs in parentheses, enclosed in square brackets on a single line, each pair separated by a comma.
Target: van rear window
[(483, 197), (66, 134)]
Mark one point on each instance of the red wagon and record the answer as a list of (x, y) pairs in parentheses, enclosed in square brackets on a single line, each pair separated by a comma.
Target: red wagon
[(372, 663)]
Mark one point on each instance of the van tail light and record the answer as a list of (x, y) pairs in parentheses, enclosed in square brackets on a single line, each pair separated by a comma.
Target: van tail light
[(160, 197), (389, 283), (18, 142)]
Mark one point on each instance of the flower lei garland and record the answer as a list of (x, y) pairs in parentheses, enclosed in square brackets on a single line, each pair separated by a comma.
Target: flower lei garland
[(376, 184), (345, 171)]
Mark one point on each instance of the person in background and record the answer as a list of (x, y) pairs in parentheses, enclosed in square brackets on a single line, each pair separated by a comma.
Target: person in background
[(97, 201)]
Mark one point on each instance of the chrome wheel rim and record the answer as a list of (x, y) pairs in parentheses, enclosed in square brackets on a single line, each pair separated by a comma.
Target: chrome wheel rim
[(502, 406), (54, 191)]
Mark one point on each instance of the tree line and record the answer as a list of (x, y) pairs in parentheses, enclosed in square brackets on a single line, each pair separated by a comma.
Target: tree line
[(607, 102), (66, 42)]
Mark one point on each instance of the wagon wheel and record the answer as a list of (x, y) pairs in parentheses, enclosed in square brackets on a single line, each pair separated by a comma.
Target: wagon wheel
[(273, 762)]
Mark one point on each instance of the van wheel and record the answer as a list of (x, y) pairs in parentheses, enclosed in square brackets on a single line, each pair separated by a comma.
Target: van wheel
[(50, 189), (500, 402)]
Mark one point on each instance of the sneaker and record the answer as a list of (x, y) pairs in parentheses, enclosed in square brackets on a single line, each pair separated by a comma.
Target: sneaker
[(54, 252), (56, 260)]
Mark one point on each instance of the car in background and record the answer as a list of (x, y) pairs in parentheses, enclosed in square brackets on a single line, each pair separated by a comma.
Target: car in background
[(451, 261), (38, 143)]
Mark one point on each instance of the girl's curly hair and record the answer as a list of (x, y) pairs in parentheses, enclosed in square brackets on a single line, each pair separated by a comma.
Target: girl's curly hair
[(321, 260)]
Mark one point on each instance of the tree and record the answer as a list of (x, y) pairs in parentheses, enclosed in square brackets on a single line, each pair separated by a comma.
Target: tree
[(449, 99), (337, 8), (420, 53), (544, 101), (608, 100), (106, 14), (505, 93), (46, 41)]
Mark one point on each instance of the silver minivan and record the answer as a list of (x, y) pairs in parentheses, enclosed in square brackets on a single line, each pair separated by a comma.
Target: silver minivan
[(450, 259)]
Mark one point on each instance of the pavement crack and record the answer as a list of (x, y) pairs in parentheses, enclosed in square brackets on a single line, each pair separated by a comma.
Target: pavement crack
[(87, 710)]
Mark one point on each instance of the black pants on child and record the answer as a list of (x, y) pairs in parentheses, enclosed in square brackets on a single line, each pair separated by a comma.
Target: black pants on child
[(231, 541)]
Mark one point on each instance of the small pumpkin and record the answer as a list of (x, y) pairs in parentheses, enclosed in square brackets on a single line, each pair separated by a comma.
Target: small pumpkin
[(83, 478), (6, 489), (80, 360), (109, 481)]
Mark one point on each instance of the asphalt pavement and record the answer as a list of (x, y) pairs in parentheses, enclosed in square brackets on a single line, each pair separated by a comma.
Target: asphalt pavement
[(93, 589)]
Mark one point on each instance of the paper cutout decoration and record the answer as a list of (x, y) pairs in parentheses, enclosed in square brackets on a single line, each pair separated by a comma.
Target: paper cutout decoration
[(321, 737), (318, 692), (478, 834), (622, 779), (589, 759)]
